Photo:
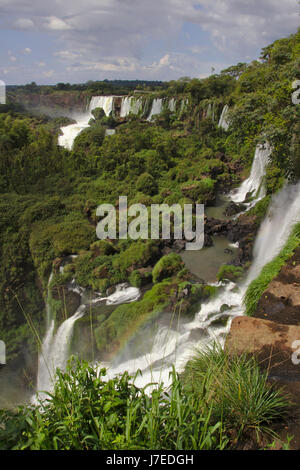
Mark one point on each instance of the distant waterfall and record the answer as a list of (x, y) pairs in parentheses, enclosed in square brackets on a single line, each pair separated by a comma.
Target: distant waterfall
[(104, 102), (156, 108), (130, 105), (254, 184), (172, 105), (223, 122), (69, 133)]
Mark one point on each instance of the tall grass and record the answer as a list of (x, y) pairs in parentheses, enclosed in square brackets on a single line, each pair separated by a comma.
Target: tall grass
[(237, 391)]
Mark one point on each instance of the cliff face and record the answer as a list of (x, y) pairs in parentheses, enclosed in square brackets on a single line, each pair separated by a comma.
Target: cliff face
[(273, 336), (61, 103)]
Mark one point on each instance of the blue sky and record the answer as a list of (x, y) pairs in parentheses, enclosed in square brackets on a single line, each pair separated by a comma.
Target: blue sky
[(75, 41)]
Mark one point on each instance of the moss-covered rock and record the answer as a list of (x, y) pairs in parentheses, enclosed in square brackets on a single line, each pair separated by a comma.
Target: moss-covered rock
[(230, 272), (167, 266)]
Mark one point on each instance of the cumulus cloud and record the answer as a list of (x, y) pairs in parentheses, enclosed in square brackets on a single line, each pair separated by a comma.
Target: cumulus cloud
[(120, 36)]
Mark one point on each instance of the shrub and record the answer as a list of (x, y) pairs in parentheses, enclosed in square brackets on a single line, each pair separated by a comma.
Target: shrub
[(167, 266), (147, 184)]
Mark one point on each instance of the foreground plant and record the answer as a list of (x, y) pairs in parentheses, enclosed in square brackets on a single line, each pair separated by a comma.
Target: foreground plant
[(87, 411), (237, 391)]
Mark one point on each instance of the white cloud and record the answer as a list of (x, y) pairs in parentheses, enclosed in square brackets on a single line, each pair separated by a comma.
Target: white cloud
[(67, 55), (54, 23), (27, 50), (23, 23), (120, 36)]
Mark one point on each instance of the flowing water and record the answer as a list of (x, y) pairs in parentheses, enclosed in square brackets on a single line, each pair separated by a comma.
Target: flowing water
[(174, 344), (223, 122), (159, 344), (254, 185), (69, 133), (56, 344), (156, 108)]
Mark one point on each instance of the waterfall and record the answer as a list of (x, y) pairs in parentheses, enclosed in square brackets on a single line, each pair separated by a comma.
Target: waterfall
[(69, 133), (104, 102), (156, 108), (223, 119), (172, 105), (254, 184), (130, 105), (173, 345), (125, 106), (55, 348), (55, 351)]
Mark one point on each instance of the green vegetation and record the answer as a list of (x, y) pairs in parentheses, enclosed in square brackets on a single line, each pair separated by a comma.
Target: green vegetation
[(237, 391), (271, 270), (167, 266), (232, 273), (215, 403)]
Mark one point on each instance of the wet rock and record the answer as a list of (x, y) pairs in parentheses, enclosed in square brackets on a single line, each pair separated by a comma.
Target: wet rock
[(69, 300), (221, 321), (234, 208), (110, 290)]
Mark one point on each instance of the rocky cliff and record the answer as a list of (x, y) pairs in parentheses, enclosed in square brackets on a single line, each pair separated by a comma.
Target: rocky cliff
[(271, 335)]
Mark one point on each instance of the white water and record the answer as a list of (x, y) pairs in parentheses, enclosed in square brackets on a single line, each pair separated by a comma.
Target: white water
[(156, 108), (172, 105), (70, 132), (223, 119), (123, 294), (104, 102), (130, 105), (254, 184), (174, 345), (55, 351), (55, 348)]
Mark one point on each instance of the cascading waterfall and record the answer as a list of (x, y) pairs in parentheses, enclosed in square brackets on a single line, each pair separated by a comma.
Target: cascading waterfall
[(104, 102), (156, 108), (223, 122), (55, 348), (69, 133), (172, 105), (254, 184), (130, 105), (174, 345)]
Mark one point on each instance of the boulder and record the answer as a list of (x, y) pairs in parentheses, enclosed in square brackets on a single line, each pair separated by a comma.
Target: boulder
[(272, 343)]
